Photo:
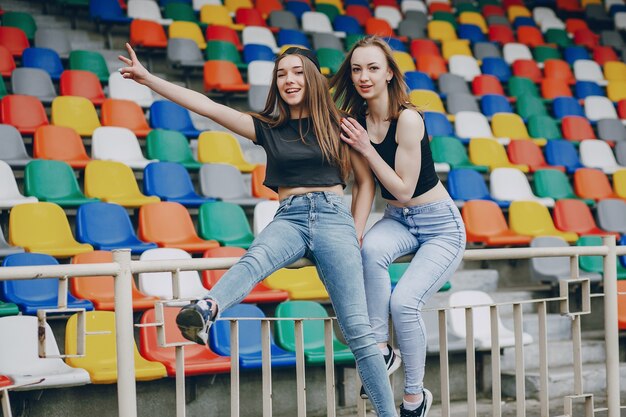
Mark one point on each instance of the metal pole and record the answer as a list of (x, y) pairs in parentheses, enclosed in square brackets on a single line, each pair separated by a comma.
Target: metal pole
[(126, 389), (610, 328)]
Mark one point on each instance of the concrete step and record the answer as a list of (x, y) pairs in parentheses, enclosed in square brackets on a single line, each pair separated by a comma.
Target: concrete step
[(561, 381), (560, 353), (559, 327)]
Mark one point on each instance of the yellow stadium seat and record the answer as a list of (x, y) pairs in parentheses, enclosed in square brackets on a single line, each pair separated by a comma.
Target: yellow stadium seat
[(76, 112), (404, 60), (216, 14), (427, 100), (301, 284), (100, 358), (222, 148), (474, 18), (516, 11), (615, 71), (616, 90), (490, 152), (187, 30), (619, 183), (455, 47), (511, 125), (114, 182), (440, 30), (533, 219), (233, 5), (44, 228)]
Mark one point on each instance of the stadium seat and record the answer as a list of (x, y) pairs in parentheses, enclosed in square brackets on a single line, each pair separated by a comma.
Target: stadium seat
[(5, 250), (592, 184), (122, 89), (614, 71), (107, 226), (486, 85), (76, 112), (331, 59), (461, 102), (621, 304), (222, 147), (19, 356), (7, 62), (465, 66), (44, 59), (553, 269), (620, 152), (252, 52), (551, 88), (619, 183), (55, 39), (526, 152), (417, 80), (170, 181), (114, 182), (558, 69), (511, 126), (117, 144), (187, 30), (199, 360), (452, 83), (519, 86), (513, 51), (224, 77), (250, 355), (38, 294), (125, 114), (563, 107), (292, 37), (55, 182), (10, 195), (26, 113), (482, 334), (226, 223), (595, 264), (170, 146), (510, 184), (148, 35), (543, 126), (183, 54), (611, 130), (224, 33), (100, 290), (259, 190), (263, 215), (170, 226), (584, 89), (61, 144), (527, 68), (598, 154), (44, 228), (437, 124), (615, 90), (260, 36), (13, 151), (449, 150), (497, 67), (433, 65), (427, 101), (611, 214), (83, 84), (485, 223), (484, 50), (90, 61), (100, 358), (146, 9), (555, 184), (21, 20), (466, 184), (301, 284), (225, 51), (575, 216), (489, 152), (314, 339), (171, 116), (577, 128), (224, 181), (604, 54), (259, 294), (528, 106), (160, 284), (14, 39), (7, 309), (533, 219)]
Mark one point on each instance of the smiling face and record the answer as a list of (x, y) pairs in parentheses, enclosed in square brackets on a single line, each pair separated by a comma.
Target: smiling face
[(369, 71), (291, 83)]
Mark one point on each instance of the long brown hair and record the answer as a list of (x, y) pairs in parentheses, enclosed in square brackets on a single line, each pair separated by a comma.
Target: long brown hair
[(350, 101), (322, 110)]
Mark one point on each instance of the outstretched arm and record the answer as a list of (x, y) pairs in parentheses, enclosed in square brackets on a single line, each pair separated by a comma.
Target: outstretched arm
[(238, 122), (400, 182)]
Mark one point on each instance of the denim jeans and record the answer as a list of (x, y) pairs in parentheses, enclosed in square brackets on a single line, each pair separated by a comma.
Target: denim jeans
[(320, 227), (435, 231)]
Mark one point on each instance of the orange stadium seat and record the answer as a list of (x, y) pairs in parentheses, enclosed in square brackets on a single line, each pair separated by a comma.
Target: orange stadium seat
[(83, 84), (61, 144), (486, 224), (224, 77), (125, 113), (593, 184), (26, 113)]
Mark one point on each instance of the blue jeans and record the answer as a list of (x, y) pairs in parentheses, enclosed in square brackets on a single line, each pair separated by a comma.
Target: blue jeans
[(320, 227), (435, 231)]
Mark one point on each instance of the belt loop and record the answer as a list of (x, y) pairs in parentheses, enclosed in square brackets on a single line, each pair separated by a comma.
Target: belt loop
[(290, 199), (326, 196)]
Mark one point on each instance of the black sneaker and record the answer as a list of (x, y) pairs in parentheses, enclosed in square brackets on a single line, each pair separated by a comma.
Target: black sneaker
[(194, 321), (392, 361), (422, 410)]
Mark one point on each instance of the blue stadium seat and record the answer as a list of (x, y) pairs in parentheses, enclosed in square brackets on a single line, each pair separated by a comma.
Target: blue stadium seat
[(566, 106), (356, 3), (562, 152), (108, 11), (472, 33), (466, 184), (297, 8), (169, 115), (33, 295), (523, 21), (573, 53), (254, 52), (417, 80), (584, 89), (437, 124), (292, 37), (107, 226), (396, 44), (347, 24), (622, 259), (496, 67), (171, 182), (45, 59), (494, 103), (249, 339)]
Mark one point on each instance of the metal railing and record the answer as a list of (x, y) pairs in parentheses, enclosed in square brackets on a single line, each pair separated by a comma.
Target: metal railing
[(122, 269)]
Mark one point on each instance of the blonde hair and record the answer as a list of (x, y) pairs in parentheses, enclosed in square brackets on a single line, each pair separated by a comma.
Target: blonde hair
[(350, 101), (325, 117)]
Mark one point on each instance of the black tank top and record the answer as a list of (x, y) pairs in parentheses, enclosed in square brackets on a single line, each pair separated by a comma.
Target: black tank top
[(387, 150)]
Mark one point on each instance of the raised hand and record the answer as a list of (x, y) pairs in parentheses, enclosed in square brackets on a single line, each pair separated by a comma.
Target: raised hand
[(133, 70), (355, 135)]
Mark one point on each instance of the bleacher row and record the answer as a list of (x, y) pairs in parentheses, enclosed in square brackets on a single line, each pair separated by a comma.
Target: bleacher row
[(535, 103)]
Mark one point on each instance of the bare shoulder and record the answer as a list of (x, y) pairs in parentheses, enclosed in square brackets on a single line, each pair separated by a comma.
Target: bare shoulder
[(410, 125), (410, 117)]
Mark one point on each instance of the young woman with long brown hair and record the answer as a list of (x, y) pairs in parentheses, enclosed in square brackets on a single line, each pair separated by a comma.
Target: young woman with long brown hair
[(389, 132), (307, 164)]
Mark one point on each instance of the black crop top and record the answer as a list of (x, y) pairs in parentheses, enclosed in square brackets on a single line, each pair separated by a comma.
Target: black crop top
[(387, 150), (291, 162)]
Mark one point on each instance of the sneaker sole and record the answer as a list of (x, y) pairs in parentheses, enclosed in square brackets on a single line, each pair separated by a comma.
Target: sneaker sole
[(394, 367), (189, 323), (428, 396)]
